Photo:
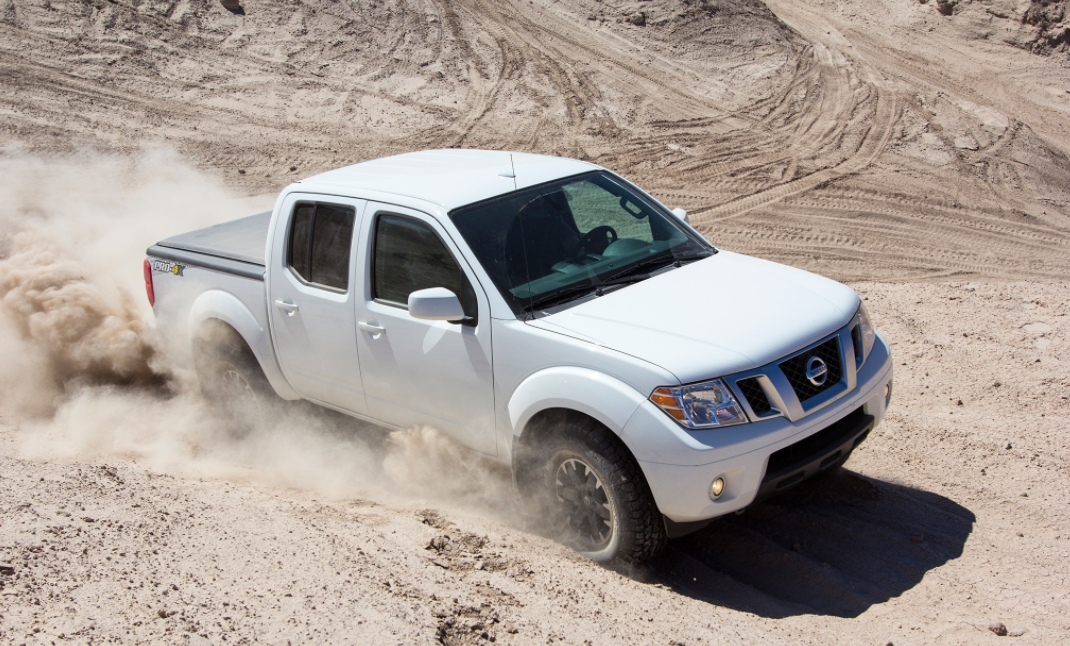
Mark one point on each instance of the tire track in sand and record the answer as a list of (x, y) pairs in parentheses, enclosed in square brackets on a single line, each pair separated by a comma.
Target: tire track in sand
[(873, 142)]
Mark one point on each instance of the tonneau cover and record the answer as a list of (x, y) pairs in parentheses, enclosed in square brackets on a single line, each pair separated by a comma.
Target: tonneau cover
[(244, 240)]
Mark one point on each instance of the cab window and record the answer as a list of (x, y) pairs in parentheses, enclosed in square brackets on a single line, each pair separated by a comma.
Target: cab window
[(409, 257), (321, 236)]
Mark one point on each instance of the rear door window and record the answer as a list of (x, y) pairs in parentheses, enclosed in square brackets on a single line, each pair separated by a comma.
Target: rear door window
[(321, 236)]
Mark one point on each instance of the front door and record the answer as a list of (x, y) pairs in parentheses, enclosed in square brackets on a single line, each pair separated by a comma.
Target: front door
[(418, 372), (311, 287)]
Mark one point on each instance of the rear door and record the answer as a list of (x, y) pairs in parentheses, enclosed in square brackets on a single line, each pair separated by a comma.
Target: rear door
[(418, 372), (311, 288)]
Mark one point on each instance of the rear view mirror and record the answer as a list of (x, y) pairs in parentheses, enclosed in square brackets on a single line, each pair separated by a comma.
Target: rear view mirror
[(682, 214), (435, 304), (638, 212)]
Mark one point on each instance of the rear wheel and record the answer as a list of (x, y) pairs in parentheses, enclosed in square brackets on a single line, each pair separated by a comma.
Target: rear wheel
[(597, 496), (231, 379)]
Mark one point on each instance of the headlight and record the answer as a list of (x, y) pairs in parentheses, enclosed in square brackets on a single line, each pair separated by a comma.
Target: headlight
[(866, 335), (709, 404)]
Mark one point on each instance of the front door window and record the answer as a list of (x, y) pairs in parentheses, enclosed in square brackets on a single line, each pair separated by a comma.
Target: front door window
[(410, 257)]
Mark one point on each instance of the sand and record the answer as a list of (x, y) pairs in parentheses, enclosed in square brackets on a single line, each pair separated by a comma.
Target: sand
[(919, 157)]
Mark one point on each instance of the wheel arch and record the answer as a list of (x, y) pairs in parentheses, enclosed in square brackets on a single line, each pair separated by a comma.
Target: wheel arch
[(217, 305), (552, 396), (583, 390)]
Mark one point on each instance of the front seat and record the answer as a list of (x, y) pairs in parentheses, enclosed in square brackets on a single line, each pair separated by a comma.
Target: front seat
[(540, 237)]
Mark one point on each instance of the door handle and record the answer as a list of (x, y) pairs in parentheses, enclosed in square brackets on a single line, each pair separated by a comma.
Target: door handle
[(287, 306), (374, 330)]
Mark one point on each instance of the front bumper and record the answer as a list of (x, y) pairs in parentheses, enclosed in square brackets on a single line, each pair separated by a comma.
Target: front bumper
[(807, 458), (680, 465)]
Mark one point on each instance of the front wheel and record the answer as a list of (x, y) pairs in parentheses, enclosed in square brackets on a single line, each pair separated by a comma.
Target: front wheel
[(598, 498)]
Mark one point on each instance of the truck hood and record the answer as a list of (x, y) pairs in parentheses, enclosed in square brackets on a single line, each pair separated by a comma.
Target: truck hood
[(713, 317)]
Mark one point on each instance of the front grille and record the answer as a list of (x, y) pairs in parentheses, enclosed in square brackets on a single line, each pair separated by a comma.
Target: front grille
[(752, 390), (795, 369), (789, 457)]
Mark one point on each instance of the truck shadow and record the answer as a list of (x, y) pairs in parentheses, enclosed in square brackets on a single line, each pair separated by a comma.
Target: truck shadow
[(831, 547)]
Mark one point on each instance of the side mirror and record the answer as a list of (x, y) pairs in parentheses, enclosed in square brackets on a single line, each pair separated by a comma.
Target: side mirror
[(682, 214), (435, 304)]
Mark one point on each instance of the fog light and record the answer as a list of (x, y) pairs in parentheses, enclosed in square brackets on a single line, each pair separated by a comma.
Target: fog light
[(717, 488)]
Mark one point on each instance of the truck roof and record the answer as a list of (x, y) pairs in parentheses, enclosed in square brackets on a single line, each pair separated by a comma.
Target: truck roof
[(449, 177)]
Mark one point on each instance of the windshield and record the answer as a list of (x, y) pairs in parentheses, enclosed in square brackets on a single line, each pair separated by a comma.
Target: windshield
[(548, 246)]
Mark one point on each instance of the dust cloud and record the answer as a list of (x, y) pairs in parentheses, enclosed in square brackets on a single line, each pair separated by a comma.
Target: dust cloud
[(85, 375), (73, 230)]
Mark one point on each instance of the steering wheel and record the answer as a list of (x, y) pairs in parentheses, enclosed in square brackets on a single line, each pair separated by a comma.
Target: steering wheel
[(597, 239)]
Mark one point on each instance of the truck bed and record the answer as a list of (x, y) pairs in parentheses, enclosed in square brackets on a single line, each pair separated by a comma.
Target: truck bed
[(236, 247), (244, 240)]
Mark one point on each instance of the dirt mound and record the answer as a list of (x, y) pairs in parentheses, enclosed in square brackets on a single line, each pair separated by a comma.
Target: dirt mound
[(1039, 26)]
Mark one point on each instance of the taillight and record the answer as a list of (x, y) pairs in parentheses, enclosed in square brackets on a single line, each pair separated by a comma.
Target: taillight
[(149, 291)]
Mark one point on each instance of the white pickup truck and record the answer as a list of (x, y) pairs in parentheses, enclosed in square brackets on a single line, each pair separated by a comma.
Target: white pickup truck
[(546, 313)]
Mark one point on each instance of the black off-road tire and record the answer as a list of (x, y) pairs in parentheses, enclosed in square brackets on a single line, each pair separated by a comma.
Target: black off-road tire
[(232, 381), (583, 446)]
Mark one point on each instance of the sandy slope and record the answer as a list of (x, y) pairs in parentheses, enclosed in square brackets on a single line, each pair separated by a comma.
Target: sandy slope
[(921, 157), (795, 143)]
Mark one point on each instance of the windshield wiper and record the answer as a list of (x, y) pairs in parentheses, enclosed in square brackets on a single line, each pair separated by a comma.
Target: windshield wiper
[(564, 293), (696, 255), (633, 274), (644, 267), (677, 260), (570, 292), (662, 259)]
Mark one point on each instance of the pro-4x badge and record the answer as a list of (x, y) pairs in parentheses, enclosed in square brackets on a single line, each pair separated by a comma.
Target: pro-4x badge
[(164, 266)]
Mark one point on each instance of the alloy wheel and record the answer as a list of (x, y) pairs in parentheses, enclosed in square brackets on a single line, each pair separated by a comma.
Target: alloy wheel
[(585, 505)]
